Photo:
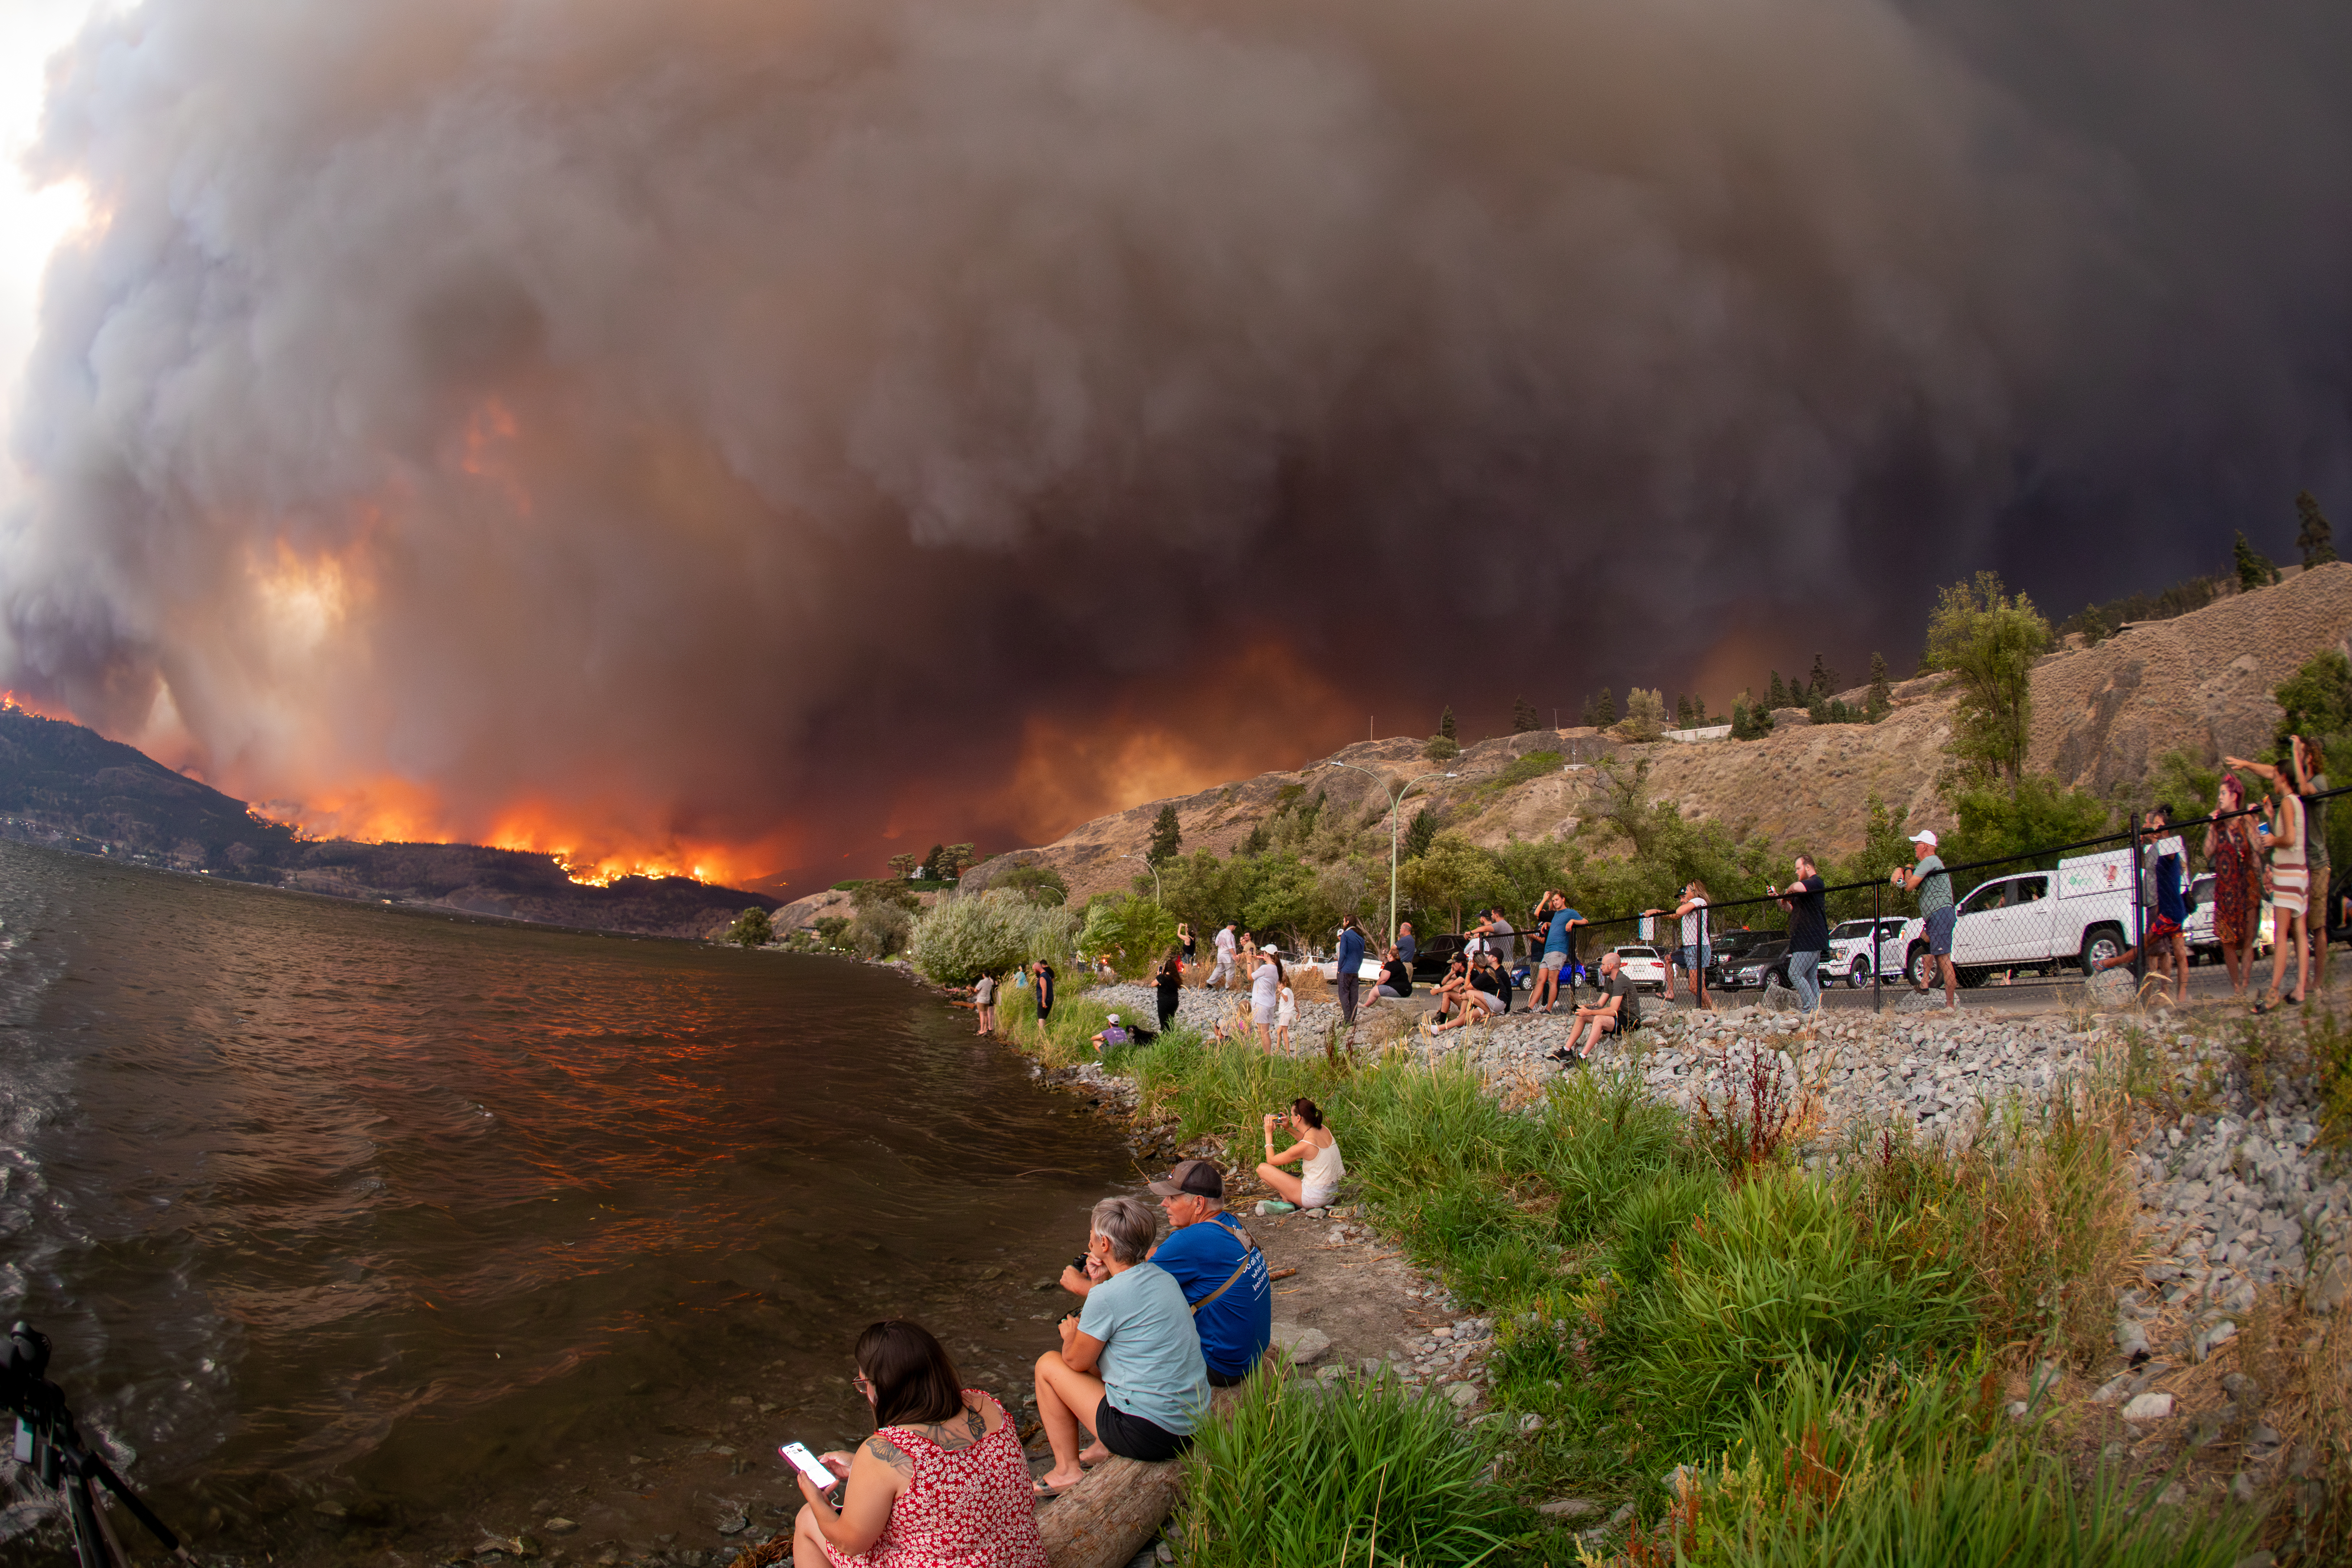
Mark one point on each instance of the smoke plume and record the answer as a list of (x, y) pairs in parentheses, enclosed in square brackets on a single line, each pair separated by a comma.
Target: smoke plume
[(736, 430)]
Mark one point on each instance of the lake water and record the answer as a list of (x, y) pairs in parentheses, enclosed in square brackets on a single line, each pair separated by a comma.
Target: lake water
[(369, 1229)]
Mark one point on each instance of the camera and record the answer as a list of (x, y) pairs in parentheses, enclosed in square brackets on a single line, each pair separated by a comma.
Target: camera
[(49, 1446)]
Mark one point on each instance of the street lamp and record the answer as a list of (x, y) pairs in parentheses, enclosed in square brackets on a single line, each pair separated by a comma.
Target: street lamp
[(1396, 799), (1155, 875)]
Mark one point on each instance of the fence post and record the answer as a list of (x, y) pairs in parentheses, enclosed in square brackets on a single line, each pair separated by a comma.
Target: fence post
[(1877, 976), (2139, 915)]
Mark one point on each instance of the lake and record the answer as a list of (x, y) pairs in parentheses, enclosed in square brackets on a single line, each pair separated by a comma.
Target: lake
[(373, 1229)]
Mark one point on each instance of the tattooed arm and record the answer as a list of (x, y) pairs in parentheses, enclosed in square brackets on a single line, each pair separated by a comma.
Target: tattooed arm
[(878, 1473)]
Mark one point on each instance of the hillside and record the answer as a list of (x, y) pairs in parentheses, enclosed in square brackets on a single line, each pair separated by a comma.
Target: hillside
[(68, 786), (2102, 716)]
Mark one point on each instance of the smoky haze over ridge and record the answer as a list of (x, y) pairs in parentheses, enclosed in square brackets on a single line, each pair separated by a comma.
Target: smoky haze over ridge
[(747, 430)]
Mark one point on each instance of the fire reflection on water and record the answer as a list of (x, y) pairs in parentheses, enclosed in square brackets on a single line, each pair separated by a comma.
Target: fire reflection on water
[(317, 1197)]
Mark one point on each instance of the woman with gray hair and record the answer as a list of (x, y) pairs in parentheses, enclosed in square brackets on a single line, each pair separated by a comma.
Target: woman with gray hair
[(1130, 1366)]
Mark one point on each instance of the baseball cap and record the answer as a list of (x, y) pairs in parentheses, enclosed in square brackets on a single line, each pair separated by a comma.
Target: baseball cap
[(1924, 835), (1114, 1017), (1199, 1178)]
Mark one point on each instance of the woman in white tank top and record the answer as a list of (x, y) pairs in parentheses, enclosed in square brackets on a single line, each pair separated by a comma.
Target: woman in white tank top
[(1318, 1180)]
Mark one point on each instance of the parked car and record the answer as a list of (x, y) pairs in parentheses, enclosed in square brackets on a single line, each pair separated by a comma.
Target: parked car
[(1370, 970), (1430, 959), (1641, 966), (1730, 950), (1850, 957), (1757, 967)]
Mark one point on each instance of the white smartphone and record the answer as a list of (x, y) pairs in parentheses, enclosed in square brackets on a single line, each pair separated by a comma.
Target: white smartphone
[(819, 1474)]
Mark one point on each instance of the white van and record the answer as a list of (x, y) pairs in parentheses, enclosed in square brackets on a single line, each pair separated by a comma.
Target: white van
[(1850, 958), (2078, 916)]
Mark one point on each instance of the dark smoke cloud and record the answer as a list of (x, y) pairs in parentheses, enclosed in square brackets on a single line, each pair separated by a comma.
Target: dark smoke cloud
[(779, 424)]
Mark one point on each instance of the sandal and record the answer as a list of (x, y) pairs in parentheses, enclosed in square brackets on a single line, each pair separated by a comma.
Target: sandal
[(1041, 1492)]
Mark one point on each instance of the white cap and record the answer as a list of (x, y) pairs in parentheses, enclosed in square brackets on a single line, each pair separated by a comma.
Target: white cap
[(1924, 835), (1114, 1017)]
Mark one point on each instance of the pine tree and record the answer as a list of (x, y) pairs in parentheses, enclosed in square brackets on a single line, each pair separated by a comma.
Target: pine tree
[(929, 869), (1445, 724), (1167, 836), (1881, 691), (1523, 717), (1607, 710), (1698, 710), (1682, 713), (1823, 680), (2316, 541), (1776, 695), (1420, 833), (2255, 568)]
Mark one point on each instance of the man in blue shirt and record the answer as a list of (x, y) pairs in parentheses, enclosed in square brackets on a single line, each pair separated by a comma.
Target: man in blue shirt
[(1351, 962), (1222, 1271), (1407, 949)]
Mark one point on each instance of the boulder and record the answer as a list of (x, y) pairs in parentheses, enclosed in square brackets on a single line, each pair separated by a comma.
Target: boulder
[(2148, 1407), (1303, 1345)]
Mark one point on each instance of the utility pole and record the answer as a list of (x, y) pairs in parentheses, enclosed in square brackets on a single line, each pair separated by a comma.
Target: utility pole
[(1396, 800)]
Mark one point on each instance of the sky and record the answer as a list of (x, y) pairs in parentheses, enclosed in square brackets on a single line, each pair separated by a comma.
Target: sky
[(761, 438)]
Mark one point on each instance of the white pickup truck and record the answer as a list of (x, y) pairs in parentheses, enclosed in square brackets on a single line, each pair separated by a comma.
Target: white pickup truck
[(2078, 916)]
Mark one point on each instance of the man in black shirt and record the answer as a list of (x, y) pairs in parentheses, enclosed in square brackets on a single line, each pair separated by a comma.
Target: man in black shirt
[(1808, 934), (1617, 1013)]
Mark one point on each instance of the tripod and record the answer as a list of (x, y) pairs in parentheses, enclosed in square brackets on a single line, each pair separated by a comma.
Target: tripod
[(49, 1444)]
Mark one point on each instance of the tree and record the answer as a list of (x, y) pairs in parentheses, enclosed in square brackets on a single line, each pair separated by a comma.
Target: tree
[(1881, 691), (829, 929), (879, 930), (1258, 841), (1604, 708), (1749, 720), (1134, 930), (903, 866), (1037, 883), (1776, 696), (1420, 833), (1445, 724), (1167, 836), (1451, 873), (1823, 680), (1698, 710), (1523, 717), (1991, 824), (929, 869), (1989, 639), (2255, 568), (2315, 702), (1645, 715), (949, 862), (1589, 715), (1682, 712), (1441, 748), (2315, 540), (751, 929)]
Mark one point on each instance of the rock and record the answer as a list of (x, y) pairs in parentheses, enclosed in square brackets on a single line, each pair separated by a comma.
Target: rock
[(735, 1526), (1569, 1507), (2017, 1407), (1622, 1516), (330, 1510), (2332, 1286), (558, 1525), (2148, 1407), (1531, 1422), (1303, 1345), (2113, 1390), (1463, 1395)]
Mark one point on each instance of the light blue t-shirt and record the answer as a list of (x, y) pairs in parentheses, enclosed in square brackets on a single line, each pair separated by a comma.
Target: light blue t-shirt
[(1150, 1363)]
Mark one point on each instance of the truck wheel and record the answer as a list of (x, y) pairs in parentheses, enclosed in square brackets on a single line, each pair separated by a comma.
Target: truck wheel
[(1858, 975), (2102, 944), (1921, 967), (1972, 975)]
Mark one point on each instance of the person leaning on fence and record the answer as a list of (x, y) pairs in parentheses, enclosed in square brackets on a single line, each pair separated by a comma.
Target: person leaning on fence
[(1618, 1012), (1808, 934), (1934, 885), (1692, 955), (1349, 972), (2236, 861), (2164, 865), (1130, 1366), (2289, 878)]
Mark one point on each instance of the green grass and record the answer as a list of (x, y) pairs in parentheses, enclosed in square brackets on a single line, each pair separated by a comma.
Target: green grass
[(1345, 1474), (1654, 1307)]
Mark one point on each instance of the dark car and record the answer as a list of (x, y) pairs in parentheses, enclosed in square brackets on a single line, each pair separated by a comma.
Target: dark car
[(1758, 965), (1429, 960), (1728, 950)]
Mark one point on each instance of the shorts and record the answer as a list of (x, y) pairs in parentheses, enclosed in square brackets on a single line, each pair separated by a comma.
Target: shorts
[(1262, 1017), (1390, 990), (1694, 960), (1220, 1380), (1555, 960), (1133, 1437), (1939, 931), (2163, 928), (1315, 1197), (2291, 887)]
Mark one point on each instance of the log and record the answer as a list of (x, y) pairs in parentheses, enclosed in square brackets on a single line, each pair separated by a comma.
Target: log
[(1106, 1518)]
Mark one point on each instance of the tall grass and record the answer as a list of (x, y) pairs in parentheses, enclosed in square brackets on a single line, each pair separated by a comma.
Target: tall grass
[(1339, 1475)]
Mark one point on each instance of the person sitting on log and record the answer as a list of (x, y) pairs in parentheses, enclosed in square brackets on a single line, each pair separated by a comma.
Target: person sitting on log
[(942, 1479), (1130, 1366)]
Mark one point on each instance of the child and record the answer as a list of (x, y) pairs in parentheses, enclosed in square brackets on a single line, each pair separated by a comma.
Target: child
[(1286, 1014)]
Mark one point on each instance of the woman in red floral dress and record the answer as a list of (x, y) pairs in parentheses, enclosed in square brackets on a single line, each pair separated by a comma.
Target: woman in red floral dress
[(2237, 882), (942, 1483)]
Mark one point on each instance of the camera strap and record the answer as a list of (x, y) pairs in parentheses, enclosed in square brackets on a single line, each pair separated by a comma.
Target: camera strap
[(1249, 1250)]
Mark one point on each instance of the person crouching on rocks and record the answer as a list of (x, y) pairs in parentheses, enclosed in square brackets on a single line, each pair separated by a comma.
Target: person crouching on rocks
[(942, 1479), (1318, 1182), (1130, 1365)]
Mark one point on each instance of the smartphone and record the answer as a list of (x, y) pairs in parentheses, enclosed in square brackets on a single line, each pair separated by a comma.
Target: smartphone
[(808, 1464)]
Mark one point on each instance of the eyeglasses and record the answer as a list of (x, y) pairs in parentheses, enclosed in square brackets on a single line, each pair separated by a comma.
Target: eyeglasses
[(863, 1386)]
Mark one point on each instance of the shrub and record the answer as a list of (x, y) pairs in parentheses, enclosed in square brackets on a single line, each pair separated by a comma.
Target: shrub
[(1134, 930), (1356, 1475), (751, 929), (962, 938), (1442, 749), (880, 930)]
